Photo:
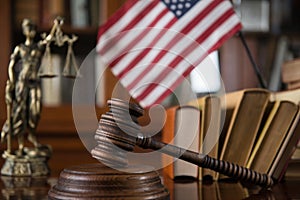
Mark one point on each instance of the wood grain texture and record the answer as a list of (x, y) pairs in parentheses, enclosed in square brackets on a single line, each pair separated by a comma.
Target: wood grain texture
[(96, 181)]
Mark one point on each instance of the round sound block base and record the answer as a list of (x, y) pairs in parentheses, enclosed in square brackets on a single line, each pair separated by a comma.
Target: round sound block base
[(95, 181)]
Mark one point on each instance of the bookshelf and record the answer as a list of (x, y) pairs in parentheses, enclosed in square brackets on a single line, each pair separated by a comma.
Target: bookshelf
[(56, 126), (4, 54), (11, 14)]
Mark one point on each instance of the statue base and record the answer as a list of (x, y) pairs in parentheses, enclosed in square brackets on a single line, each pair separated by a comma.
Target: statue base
[(29, 164), (96, 181)]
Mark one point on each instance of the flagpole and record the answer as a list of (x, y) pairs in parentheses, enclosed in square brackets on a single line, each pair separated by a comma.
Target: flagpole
[(255, 67)]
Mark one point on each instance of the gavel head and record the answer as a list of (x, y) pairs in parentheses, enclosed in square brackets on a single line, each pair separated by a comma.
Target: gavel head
[(117, 133)]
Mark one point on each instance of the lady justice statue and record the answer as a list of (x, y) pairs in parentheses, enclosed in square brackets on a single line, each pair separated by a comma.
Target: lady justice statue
[(23, 99)]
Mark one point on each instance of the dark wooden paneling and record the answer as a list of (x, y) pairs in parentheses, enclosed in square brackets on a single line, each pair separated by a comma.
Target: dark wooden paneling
[(236, 69), (5, 41)]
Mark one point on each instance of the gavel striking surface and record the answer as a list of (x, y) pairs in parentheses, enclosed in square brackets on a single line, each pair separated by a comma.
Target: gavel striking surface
[(96, 181)]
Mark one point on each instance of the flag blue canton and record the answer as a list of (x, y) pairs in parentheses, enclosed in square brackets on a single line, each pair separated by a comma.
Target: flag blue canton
[(180, 7)]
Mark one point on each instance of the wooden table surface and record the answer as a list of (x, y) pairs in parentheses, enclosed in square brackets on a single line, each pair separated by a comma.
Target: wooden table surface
[(37, 188)]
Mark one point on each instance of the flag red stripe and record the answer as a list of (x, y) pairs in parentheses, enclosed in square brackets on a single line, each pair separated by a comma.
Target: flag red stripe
[(174, 40), (171, 88), (137, 39), (203, 37), (197, 19), (141, 75), (226, 37), (187, 29), (180, 78), (143, 53), (131, 25), (215, 25), (187, 51), (116, 17)]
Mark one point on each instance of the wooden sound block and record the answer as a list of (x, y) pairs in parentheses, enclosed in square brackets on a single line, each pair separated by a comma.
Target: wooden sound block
[(96, 181)]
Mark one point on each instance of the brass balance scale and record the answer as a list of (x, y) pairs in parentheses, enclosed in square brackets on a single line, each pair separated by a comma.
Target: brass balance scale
[(23, 98)]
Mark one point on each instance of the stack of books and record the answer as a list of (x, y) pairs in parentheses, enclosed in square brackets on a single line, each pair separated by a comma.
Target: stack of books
[(291, 74), (254, 128), (293, 169)]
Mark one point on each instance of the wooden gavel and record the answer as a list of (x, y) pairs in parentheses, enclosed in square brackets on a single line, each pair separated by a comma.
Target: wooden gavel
[(117, 131)]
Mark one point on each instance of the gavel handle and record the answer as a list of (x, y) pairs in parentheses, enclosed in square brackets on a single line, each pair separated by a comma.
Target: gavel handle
[(223, 167)]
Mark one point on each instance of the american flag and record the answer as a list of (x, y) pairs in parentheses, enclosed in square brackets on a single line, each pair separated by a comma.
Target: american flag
[(152, 45)]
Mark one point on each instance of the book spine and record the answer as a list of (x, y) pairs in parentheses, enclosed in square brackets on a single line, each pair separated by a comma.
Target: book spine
[(280, 163), (79, 10), (50, 9), (167, 136), (26, 9), (212, 123), (280, 177), (290, 71)]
